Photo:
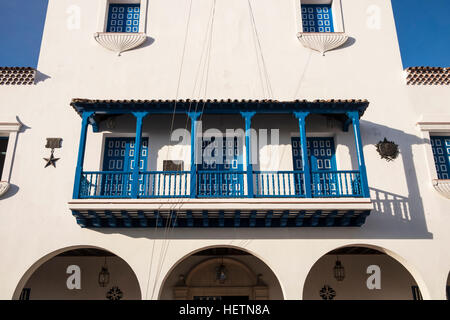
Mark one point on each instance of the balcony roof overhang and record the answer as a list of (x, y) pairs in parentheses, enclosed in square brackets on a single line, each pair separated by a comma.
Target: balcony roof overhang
[(219, 106)]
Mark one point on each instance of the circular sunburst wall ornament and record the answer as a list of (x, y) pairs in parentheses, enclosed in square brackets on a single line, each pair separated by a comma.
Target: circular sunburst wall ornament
[(114, 294), (387, 149), (327, 293)]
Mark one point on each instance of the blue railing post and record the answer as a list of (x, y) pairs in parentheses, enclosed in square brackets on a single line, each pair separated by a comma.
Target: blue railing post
[(248, 151), (354, 116), (137, 154), (194, 119), (81, 151), (301, 116)]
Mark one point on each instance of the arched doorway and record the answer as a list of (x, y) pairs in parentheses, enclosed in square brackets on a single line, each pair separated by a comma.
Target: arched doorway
[(221, 273), (447, 287), (82, 273), (359, 273)]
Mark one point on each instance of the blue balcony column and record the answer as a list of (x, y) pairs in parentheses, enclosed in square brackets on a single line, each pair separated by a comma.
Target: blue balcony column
[(81, 151), (194, 121), (248, 151), (137, 153), (301, 116), (354, 116)]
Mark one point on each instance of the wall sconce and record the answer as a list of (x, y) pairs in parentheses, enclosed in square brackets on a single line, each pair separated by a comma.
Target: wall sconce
[(221, 275), (387, 149)]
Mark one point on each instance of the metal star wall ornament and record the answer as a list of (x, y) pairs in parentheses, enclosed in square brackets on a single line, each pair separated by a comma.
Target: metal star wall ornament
[(51, 160)]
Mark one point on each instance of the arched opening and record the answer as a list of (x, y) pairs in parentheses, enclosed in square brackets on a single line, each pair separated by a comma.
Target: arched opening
[(359, 273), (221, 273), (447, 287), (81, 273)]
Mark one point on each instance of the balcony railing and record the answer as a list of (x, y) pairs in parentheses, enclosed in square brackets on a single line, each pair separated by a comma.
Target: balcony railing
[(288, 184), (105, 184), (220, 184), (164, 184), (336, 184)]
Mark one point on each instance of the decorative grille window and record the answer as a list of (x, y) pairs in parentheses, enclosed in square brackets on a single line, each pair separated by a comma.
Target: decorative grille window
[(317, 18), (441, 154), (123, 18)]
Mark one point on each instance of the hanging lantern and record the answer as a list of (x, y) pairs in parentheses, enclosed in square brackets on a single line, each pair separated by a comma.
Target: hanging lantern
[(221, 275), (339, 271), (103, 276)]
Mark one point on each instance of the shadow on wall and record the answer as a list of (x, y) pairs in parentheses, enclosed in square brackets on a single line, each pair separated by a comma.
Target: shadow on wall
[(350, 41), (147, 43), (399, 214), (40, 77), (394, 216), (13, 190)]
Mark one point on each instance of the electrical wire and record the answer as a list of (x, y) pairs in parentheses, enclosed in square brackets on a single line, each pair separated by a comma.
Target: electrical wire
[(255, 30), (169, 225)]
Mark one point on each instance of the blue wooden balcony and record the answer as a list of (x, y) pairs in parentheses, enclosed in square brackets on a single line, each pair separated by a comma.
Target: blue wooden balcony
[(219, 184), (238, 197)]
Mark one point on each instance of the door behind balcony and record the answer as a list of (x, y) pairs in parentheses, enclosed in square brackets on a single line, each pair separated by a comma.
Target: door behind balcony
[(118, 164), (322, 164), (224, 179)]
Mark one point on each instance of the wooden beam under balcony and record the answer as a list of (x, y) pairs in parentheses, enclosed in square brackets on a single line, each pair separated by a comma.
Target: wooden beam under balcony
[(212, 219)]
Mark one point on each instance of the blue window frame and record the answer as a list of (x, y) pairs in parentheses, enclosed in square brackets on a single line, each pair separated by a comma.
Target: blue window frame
[(119, 157), (441, 154), (317, 18), (221, 179), (3, 147), (123, 18)]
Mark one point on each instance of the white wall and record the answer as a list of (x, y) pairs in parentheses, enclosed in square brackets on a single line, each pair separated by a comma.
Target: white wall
[(411, 219)]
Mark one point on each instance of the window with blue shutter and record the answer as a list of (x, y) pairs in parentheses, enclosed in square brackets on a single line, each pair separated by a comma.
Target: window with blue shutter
[(123, 18), (317, 18), (3, 147), (441, 154)]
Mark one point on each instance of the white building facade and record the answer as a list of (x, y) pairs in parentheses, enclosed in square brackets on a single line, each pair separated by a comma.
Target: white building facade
[(219, 102)]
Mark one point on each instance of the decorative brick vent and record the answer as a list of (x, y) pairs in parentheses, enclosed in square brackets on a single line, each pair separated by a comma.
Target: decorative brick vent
[(428, 76), (17, 75)]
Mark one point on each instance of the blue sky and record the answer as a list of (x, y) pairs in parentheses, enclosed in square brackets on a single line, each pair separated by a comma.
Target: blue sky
[(423, 28)]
